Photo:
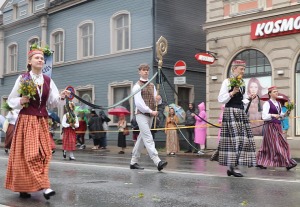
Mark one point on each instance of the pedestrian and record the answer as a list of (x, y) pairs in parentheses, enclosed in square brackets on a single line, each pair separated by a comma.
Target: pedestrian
[(69, 123), (172, 141), (285, 120), (80, 131), (200, 128), (95, 127), (190, 124), (145, 101), (11, 117), (105, 120), (51, 133), (135, 128), (30, 154), (122, 124), (274, 150), (236, 146), (220, 121)]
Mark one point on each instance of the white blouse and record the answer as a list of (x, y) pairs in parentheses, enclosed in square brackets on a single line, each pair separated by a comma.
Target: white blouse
[(53, 99), (266, 107), (66, 125), (224, 96)]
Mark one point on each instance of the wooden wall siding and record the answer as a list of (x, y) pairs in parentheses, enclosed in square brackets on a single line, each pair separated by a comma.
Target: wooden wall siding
[(180, 23)]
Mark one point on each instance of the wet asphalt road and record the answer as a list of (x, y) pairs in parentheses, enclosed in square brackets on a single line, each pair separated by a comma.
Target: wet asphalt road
[(104, 179)]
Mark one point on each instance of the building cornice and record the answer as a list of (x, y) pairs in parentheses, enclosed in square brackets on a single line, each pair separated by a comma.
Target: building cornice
[(219, 24), (65, 5)]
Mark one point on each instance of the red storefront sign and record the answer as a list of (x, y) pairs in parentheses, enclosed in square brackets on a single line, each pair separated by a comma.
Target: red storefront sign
[(276, 27), (205, 58)]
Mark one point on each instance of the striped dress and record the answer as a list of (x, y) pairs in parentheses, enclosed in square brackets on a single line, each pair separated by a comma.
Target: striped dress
[(274, 150)]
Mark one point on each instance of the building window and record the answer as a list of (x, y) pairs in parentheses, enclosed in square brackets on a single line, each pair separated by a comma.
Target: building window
[(12, 58), (117, 93), (121, 31), (15, 11), (86, 40), (30, 6), (297, 109), (258, 78), (57, 40)]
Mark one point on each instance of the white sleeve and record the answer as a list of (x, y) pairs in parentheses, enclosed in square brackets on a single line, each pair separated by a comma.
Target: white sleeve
[(14, 98), (54, 96), (265, 113), (76, 125), (64, 122), (139, 101), (224, 96)]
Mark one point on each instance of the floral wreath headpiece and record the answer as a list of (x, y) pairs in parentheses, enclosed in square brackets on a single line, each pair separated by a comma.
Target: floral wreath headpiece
[(36, 49)]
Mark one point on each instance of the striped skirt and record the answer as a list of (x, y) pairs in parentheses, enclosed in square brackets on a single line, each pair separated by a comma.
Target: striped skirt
[(236, 146), (69, 139), (274, 150), (30, 154)]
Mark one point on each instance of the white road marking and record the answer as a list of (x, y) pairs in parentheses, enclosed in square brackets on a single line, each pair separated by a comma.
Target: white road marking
[(170, 172)]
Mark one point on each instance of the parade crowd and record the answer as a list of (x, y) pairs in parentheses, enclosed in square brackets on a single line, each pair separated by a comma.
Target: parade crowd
[(29, 134)]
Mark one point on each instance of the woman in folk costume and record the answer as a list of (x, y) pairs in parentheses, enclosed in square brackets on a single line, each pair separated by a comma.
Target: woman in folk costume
[(200, 128), (30, 153), (274, 150), (69, 123), (236, 146), (172, 141)]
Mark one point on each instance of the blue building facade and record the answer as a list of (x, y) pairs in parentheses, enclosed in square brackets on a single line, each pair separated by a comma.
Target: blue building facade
[(98, 45)]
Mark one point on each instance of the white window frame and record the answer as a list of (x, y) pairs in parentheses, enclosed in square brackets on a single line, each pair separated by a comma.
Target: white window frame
[(8, 58), (52, 44), (30, 6), (113, 35), (30, 39), (15, 11), (79, 39), (110, 96)]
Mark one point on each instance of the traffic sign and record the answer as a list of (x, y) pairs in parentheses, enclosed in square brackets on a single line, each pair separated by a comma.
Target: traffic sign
[(180, 67), (205, 58), (71, 88)]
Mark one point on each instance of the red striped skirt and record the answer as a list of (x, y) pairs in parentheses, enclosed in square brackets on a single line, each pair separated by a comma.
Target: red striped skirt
[(274, 150), (9, 135), (69, 139), (30, 155)]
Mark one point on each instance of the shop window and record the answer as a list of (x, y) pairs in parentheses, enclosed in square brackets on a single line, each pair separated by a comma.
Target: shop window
[(257, 77), (297, 110)]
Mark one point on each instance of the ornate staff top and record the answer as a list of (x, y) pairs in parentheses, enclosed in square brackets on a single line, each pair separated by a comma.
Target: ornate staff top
[(161, 49)]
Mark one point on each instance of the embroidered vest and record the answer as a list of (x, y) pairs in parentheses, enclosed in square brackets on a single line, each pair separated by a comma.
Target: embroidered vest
[(273, 110), (236, 100), (34, 108), (147, 95)]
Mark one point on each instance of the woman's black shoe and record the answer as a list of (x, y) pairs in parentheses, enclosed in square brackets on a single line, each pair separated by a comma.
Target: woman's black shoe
[(64, 154), (235, 174), (25, 195), (261, 167), (294, 165), (6, 151)]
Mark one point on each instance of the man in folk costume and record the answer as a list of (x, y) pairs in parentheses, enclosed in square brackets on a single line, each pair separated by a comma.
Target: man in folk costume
[(236, 146), (145, 111), (274, 150), (69, 123), (30, 153)]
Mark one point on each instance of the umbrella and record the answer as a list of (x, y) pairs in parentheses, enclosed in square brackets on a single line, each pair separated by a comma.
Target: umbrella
[(118, 111), (54, 116), (281, 97), (179, 112), (82, 109)]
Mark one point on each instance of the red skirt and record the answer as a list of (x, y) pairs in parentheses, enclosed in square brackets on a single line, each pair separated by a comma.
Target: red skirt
[(69, 139), (30, 155), (53, 146), (9, 135)]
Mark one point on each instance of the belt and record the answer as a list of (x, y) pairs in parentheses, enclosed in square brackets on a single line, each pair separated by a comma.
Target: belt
[(146, 114)]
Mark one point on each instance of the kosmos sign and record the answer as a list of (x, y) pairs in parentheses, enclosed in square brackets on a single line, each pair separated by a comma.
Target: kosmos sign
[(276, 27)]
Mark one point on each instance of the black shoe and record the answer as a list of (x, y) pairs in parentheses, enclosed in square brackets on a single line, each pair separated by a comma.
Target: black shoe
[(235, 174), (294, 165), (136, 166), (25, 195), (188, 151), (53, 151), (64, 154), (6, 150), (48, 195), (161, 165), (261, 167), (121, 152), (196, 151)]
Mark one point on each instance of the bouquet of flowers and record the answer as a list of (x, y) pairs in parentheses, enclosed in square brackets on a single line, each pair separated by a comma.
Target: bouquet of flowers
[(236, 81), (27, 87), (289, 105), (46, 50), (6, 107)]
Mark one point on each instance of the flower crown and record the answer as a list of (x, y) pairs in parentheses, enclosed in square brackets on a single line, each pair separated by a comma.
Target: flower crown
[(45, 50)]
